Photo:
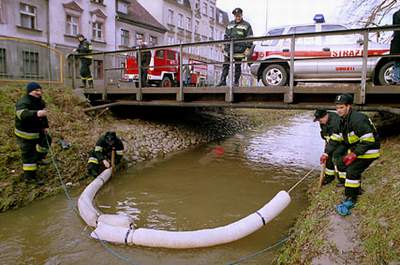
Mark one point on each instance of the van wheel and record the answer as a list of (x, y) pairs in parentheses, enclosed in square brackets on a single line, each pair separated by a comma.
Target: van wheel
[(385, 74), (166, 82), (274, 75)]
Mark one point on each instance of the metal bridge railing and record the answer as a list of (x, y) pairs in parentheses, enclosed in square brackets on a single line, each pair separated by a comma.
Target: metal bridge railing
[(110, 58)]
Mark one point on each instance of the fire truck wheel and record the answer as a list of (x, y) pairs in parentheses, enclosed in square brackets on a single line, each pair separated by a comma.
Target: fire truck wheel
[(275, 75), (385, 74), (166, 82)]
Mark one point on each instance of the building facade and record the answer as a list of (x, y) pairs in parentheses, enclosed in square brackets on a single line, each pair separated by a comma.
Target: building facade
[(108, 24)]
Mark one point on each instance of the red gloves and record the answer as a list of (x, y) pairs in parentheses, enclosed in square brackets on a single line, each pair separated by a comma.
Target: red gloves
[(323, 158), (349, 158)]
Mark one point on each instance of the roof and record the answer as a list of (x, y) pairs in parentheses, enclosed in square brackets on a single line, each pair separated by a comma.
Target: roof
[(184, 4), (225, 17), (138, 15), (73, 6)]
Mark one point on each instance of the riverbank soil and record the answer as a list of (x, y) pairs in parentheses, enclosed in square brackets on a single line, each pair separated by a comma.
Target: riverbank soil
[(146, 134), (370, 235)]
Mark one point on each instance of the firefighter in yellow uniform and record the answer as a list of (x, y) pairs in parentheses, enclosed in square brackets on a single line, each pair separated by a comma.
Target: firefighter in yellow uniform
[(361, 139), (31, 131), (334, 148), (83, 49), (236, 29)]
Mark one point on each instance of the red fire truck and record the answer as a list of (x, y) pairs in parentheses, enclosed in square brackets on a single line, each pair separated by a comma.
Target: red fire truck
[(164, 69)]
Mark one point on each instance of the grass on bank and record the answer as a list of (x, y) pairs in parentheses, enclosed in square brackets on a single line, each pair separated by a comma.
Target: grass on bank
[(377, 211)]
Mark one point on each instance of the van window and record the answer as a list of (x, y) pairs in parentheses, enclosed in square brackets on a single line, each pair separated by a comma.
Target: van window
[(338, 39), (160, 54), (302, 29), (273, 32)]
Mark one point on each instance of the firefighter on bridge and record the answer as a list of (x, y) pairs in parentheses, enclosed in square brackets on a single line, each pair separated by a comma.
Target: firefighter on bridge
[(361, 140), (31, 126), (83, 49), (334, 148), (236, 29)]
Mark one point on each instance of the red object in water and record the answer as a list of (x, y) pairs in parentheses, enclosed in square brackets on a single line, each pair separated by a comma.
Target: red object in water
[(219, 150)]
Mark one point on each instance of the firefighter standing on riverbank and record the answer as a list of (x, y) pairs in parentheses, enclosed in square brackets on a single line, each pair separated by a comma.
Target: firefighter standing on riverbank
[(100, 157), (334, 148), (361, 139), (85, 47), (236, 29), (31, 126)]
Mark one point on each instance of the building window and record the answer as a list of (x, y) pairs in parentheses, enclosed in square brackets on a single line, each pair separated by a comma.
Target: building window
[(72, 27), (197, 5), (139, 36), (189, 23), (97, 31), (124, 37), (211, 32), (30, 63), (3, 61), (180, 20), (211, 11), (220, 18), (122, 7), (170, 16), (28, 16), (171, 40), (98, 69), (196, 27), (205, 9), (101, 2), (153, 41)]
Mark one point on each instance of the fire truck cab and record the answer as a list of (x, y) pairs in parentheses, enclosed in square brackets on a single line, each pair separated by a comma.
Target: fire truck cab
[(344, 52), (164, 70)]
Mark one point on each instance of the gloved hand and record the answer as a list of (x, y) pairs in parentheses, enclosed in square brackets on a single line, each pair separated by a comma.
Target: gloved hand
[(106, 163), (349, 158), (323, 158)]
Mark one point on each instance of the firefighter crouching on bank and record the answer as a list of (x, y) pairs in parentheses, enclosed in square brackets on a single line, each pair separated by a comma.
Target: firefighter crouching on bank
[(100, 157), (361, 139), (236, 29), (85, 47), (31, 126), (334, 148)]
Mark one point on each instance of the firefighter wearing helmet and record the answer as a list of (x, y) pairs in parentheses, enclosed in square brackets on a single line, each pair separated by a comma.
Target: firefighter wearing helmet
[(361, 140), (236, 29), (83, 49)]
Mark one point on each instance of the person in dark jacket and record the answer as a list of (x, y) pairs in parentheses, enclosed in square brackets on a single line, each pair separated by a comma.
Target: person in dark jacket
[(83, 49), (31, 126), (361, 139), (334, 148), (236, 29), (100, 157), (145, 58), (395, 49)]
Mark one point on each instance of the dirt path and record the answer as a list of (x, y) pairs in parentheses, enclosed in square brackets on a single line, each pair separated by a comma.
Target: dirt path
[(342, 242)]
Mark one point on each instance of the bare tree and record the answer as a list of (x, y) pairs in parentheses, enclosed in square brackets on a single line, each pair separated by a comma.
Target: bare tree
[(367, 13)]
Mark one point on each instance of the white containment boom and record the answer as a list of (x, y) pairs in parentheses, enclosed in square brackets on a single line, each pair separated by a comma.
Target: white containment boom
[(120, 229)]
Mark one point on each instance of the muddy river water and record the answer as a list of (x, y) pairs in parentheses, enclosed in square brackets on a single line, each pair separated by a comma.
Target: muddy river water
[(207, 186)]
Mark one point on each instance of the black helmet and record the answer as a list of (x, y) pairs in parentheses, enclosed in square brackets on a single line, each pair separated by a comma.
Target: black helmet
[(237, 10), (110, 137), (319, 113), (344, 99)]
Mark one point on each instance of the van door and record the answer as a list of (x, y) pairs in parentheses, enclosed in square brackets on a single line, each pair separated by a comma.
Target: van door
[(306, 48), (345, 55)]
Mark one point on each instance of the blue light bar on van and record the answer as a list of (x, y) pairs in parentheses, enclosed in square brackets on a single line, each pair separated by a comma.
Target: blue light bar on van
[(319, 18)]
